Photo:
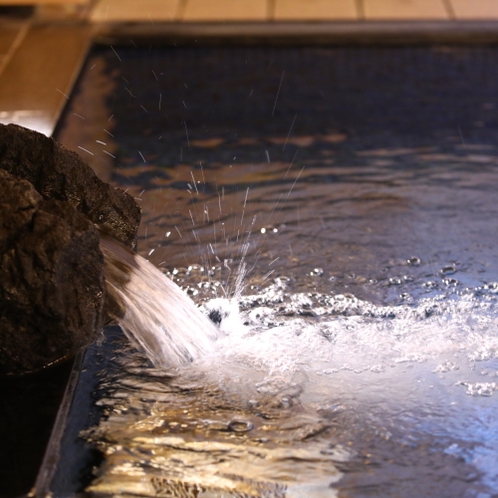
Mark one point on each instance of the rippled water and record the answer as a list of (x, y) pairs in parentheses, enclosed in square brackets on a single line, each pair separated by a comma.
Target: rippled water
[(346, 244), (311, 394)]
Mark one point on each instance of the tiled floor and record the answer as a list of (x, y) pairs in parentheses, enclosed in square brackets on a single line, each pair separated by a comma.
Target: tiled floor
[(32, 93), (310, 10), (13, 28), (406, 9), (291, 10)]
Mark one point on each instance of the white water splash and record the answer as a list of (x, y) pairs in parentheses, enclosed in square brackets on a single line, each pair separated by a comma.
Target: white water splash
[(280, 335), (292, 380)]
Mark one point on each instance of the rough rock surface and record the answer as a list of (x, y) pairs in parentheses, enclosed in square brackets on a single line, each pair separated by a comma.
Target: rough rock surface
[(52, 278), (52, 288), (57, 173)]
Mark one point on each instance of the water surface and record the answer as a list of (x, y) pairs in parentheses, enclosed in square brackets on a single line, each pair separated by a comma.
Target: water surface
[(344, 199)]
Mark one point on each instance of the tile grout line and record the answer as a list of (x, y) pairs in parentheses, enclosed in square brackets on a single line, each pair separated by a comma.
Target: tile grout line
[(450, 10), (360, 10), (180, 10), (270, 10), (14, 46)]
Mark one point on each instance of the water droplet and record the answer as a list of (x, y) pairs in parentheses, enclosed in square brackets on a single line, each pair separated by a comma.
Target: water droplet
[(447, 366), (430, 284), (285, 403), (215, 425), (377, 369), (485, 389), (395, 281), (448, 270), (492, 287), (237, 425), (413, 261), (317, 272), (269, 229), (194, 269), (330, 371), (451, 282)]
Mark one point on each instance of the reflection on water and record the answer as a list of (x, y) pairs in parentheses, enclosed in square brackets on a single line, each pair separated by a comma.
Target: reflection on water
[(165, 437), (352, 221), (311, 395)]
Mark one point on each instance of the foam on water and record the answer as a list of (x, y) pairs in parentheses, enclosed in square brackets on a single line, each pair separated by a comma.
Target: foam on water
[(286, 332), (409, 372), (293, 392), (301, 391)]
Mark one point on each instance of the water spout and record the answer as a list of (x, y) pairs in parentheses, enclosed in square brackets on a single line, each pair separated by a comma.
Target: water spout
[(156, 315)]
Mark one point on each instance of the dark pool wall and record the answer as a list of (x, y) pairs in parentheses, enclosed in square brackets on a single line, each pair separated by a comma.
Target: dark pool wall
[(29, 407), (378, 97)]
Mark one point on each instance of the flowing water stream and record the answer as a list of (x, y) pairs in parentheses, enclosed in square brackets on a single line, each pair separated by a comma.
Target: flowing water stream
[(335, 215), (157, 317)]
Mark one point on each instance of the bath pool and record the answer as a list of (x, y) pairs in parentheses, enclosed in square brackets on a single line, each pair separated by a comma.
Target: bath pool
[(354, 189)]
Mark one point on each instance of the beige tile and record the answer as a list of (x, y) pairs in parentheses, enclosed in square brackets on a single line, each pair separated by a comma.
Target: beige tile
[(481, 9), (315, 10), (8, 35), (406, 9), (135, 10), (36, 82), (225, 10), (38, 2)]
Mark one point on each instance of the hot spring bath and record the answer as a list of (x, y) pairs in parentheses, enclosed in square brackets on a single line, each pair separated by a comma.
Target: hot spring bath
[(344, 200)]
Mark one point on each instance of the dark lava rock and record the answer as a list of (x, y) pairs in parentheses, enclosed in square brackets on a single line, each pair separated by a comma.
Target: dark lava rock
[(52, 289), (57, 173), (52, 278)]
